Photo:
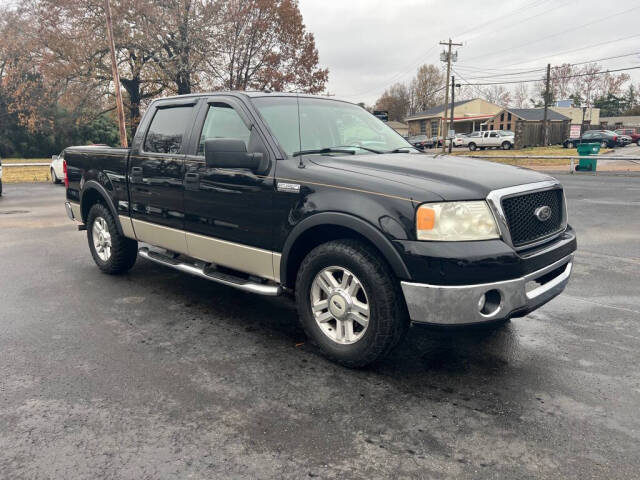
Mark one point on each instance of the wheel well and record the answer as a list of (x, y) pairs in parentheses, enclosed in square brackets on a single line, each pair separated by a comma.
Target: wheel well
[(89, 199), (313, 237)]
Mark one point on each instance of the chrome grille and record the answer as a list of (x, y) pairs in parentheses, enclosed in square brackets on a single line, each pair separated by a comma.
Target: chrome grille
[(524, 226)]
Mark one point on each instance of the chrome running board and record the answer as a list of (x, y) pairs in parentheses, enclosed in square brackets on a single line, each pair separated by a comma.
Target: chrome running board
[(214, 276)]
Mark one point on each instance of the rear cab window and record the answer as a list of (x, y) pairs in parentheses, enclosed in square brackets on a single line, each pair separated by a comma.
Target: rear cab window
[(166, 133)]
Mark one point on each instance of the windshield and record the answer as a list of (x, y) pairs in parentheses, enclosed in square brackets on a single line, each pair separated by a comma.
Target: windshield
[(327, 124)]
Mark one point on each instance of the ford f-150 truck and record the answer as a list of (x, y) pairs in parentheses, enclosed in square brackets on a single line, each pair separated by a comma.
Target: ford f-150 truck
[(314, 197)]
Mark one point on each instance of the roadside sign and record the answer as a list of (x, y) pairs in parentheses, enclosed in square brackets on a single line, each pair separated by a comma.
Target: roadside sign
[(451, 134), (575, 131)]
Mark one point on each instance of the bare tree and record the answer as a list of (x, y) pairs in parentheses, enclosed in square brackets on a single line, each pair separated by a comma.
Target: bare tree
[(497, 94), (521, 96), (560, 81), (426, 88), (586, 85), (396, 101)]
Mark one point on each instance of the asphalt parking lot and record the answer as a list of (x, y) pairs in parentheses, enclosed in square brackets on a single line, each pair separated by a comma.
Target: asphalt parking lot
[(156, 374)]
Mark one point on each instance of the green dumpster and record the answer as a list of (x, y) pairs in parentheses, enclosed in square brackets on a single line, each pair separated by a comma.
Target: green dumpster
[(587, 163)]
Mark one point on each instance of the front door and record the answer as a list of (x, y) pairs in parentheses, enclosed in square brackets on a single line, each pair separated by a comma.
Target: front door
[(229, 210), (156, 190)]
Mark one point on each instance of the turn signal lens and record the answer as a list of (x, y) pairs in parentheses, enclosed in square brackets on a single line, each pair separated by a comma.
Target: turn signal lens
[(455, 222), (426, 218)]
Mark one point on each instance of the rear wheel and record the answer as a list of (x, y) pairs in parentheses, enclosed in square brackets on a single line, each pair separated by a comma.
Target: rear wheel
[(604, 144), (113, 252), (472, 146), (638, 142), (54, 177), (349, 302), (506, 145)]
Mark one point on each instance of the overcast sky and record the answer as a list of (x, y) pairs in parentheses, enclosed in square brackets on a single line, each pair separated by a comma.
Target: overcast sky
[(369, 44)]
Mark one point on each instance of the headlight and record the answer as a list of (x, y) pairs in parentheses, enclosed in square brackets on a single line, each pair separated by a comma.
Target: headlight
[(455, 221)]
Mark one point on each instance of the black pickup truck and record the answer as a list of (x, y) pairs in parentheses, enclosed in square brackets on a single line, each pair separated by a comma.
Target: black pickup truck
[(314, 197)]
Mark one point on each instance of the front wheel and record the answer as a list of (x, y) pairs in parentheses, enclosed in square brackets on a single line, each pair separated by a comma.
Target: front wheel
[(638, 142), (604, 144), (506, 145), (54, 177), (349, 302), (113, 252), (472, 147)]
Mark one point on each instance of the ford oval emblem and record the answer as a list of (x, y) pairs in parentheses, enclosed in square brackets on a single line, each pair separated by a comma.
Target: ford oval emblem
[(543, 213)]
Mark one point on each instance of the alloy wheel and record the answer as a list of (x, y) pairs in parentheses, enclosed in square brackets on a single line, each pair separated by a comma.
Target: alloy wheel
[(340, 305), (101, 238)]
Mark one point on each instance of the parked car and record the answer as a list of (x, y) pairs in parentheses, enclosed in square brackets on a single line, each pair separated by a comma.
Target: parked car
[(605, 138), (460, 140), (421, 142), (491, 139), (624, 140), (313, 197), (630, 132), (56, 169)]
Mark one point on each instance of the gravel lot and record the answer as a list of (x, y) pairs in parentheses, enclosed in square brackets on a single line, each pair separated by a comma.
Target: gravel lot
[(156, 374)]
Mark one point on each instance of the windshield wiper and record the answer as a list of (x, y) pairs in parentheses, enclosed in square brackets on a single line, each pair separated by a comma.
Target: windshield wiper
[(360, 146), (323, 150), (401, 150)]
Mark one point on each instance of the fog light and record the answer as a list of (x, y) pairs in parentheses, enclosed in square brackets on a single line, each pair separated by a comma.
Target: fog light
[(490, 303)]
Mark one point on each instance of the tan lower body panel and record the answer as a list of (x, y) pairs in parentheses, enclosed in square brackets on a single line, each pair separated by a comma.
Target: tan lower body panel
[(127, 227), (251, 260), (165, 237)]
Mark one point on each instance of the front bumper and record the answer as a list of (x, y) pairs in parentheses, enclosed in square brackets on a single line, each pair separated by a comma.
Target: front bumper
[(479, 303)]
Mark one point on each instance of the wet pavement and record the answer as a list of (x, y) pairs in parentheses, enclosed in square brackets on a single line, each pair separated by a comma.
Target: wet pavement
[(156, 374)]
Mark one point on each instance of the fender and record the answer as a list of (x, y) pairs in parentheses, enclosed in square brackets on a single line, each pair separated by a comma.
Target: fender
[(94, 185), (375, 236)]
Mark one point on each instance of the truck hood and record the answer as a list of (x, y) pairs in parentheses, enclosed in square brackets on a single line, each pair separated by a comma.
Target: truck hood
[(449, 177)]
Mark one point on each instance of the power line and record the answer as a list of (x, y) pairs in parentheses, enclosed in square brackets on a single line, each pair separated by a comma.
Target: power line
[(616, 14), (542, 68), (556, 78), (599, 44)]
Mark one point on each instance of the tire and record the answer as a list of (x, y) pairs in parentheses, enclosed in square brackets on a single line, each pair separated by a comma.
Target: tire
[(604, 144), (377, 289), (122, 251), (54, 177), (569, 145), (472, 146), (506, 145), (638, 142)]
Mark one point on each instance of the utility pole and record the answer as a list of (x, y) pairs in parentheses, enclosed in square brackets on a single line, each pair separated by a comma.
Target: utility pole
[(116, 76), (453, 101), (545, 127), (446, 56)]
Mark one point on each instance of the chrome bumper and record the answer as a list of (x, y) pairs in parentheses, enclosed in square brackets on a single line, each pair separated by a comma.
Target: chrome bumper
[(67, 207), (469, 304)]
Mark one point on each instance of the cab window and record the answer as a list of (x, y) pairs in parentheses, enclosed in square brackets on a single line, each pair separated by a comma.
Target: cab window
[(167, 130), (223, 121)]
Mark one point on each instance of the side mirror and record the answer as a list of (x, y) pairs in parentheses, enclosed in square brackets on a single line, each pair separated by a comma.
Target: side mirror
[(230, 153)]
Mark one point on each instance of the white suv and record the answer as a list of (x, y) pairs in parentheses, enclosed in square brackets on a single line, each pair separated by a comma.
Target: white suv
[(491, 138)]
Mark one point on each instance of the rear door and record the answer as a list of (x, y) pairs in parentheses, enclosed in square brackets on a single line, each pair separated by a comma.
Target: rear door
[(156, 169)]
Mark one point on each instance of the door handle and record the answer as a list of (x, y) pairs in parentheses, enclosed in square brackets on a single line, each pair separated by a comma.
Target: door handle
[(191, 181), (136, 175)]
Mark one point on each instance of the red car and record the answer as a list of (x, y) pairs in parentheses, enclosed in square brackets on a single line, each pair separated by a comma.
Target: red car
[(631, 132)]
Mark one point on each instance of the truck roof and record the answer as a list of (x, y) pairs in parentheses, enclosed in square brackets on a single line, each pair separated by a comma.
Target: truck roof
[(251, 94)]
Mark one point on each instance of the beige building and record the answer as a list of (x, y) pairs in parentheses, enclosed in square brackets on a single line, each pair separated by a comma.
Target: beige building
[(401, 128), (591, 115), (611, 123), (468, 115)]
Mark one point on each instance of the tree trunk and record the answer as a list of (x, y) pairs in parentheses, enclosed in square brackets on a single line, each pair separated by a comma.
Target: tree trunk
[(132, 86)]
